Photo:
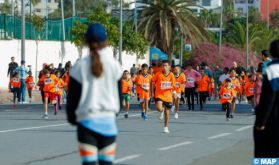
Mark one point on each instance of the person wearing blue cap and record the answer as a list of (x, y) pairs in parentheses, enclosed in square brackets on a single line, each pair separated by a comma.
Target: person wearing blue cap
[(94, 99)]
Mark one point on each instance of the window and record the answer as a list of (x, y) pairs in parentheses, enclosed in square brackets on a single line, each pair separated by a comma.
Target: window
[(38, 10), (206, 3)]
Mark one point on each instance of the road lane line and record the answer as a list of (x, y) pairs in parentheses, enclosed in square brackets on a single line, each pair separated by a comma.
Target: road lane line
[(174, 146), (244, 128), (219, 135), (120, 160), (30, 128)]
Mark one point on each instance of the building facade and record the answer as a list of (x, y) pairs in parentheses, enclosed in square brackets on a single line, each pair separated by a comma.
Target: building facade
[(268, 7), (241, 5)]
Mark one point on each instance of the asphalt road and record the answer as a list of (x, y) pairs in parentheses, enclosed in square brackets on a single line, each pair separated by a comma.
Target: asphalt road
[(196, 138)]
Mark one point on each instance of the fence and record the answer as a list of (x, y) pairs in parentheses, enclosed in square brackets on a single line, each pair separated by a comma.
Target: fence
[(10, 28)]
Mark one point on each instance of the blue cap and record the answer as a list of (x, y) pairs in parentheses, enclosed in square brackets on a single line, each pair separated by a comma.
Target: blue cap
[(96, 33), (228, 80)]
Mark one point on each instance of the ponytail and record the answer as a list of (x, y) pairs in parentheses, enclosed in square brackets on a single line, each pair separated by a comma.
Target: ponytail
[(96, 65)]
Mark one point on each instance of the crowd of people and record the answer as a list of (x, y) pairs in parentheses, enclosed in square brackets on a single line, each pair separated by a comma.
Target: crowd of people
[(52, 82), (96, 89)]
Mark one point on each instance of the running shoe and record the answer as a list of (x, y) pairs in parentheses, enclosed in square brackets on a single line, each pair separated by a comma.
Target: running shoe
[(145, 117), (228, 119), (172, 108), (126, 115), (55, 113), (142, 114), (45, 116), (161, 116), (176, 115), (231, 116), (166, 130)]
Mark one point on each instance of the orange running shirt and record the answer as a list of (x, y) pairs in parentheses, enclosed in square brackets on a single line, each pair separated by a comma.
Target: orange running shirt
[(30, 82), (66, 79), (164, 86), (15, 82), (49, 83), (226, 95), (249, 89), (59, 87), (235, 86), (179, 83), (144, 82), (138, 89), (126, 86), (203, 84), (212, 86)]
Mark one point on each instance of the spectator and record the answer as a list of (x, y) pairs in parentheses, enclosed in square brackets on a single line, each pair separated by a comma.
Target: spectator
[(23, 73), (217, 72), (266, 60), (266, 129), (133, 70), (237, 68), (225, 75), (12, 67), (61, 69)]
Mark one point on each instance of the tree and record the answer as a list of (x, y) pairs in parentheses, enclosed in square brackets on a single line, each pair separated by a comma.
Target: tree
[(161, 19), (5, 7), (132, 42), (38, 24)]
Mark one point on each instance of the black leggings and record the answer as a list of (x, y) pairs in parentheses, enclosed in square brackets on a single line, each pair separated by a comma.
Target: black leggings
[(203, 96), (190, 95), (16, 93), (227, 108), (101, 147)]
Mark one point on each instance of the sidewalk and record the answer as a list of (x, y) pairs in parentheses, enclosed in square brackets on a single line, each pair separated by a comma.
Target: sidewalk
[(6, 97)]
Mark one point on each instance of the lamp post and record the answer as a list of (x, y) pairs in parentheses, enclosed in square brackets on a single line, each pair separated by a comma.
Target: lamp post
[(221, 28), (121, 31), (247, 34), (22, 30)]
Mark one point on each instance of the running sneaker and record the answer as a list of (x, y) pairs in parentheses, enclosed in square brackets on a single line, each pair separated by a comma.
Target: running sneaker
[(176, 115), (55, 113), (166, 130), (161, 116), (231, 116), (45, 116), (126, 115), (228, 119), (142, 114), (252, 110), (145, 117), (172, 108)]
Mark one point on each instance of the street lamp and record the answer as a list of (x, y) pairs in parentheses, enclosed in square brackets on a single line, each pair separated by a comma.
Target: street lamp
[(121, 31), (247, 34), (221, 28), (22, 31)]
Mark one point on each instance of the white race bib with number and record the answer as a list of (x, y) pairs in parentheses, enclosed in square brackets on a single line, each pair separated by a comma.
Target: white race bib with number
[(177, 84), (16, 80), (190, 79), (226, 95), (165, 85), (32, 84), (146, 86), (48, 81), (251, 90)]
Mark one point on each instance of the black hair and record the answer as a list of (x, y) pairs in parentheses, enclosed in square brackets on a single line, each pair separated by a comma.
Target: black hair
[(165, 61), (144, 66), (274, 48), (265, 53), (250, 76), (232, 69)]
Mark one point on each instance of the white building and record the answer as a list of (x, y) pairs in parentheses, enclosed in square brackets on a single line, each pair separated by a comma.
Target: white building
[(205, 4), (45, 7), (241, 5)]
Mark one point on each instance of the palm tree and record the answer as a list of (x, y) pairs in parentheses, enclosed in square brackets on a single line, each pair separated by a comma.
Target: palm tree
[(237, 35), (267, 35), (161, 19)]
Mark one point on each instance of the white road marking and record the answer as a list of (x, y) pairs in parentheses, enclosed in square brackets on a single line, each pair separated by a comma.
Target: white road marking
[(120, 160), (174, 146), (219, 135), (30, 128), (244, 128)]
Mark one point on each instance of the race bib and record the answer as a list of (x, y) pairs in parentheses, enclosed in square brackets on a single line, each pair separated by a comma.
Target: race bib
[(190, 79), (48, 81), (165, 85), (16, 80), (251, 90), (233, 86), (32, 84), (226, 95), (177, 84), (146, 86)]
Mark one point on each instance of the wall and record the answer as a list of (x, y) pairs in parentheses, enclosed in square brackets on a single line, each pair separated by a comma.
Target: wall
[(273, 5), (49, 52)]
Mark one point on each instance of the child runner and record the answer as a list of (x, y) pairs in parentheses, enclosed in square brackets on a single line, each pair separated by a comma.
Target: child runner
[(192, 76), (58, 92), (136, 84), (179, 86), (203, 86), (249, 91), (93, 99), (48, 82), (15, 87), (144, 83), (226, 97), (165, 83), (235, 84), (126, 91), (211, 89), (30, 85)]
